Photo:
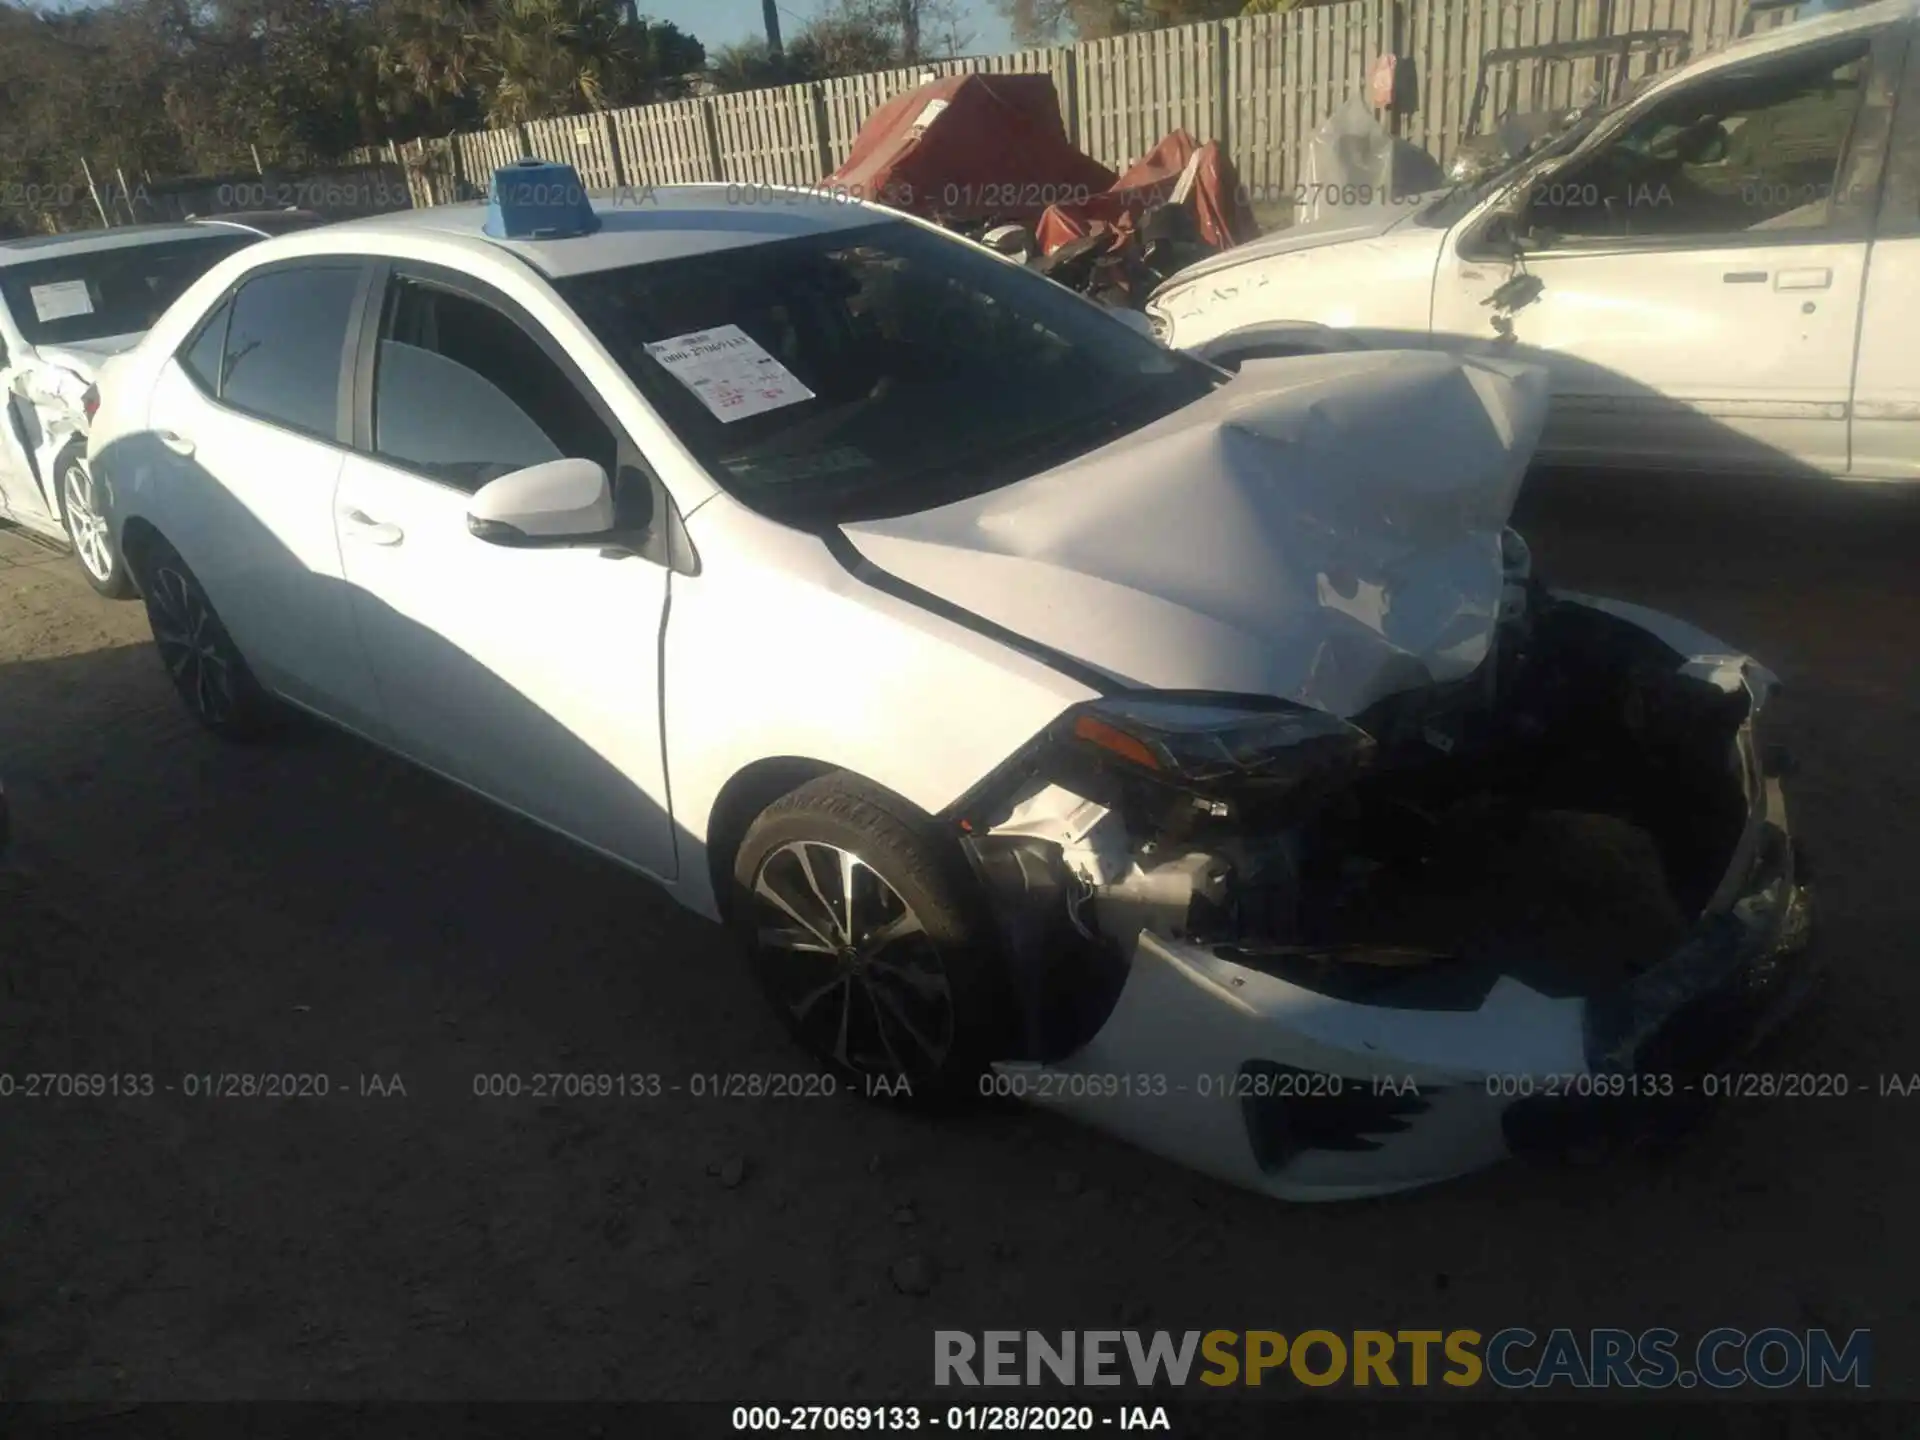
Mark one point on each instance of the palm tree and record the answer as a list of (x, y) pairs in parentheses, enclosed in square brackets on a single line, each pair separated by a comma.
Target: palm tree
[(557, 57), (435, 47)]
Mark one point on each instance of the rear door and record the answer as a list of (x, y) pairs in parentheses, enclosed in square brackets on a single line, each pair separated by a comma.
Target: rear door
[(249, 420), (1886, 384)]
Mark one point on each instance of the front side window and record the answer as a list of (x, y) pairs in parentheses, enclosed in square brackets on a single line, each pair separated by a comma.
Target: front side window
[(100, 293), (463, 394), (285, 343), (875, 371), (1757, 151)]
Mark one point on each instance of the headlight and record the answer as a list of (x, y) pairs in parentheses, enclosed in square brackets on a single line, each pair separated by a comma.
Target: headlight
[(1222, 754), (1162, 326), (1203, 739)]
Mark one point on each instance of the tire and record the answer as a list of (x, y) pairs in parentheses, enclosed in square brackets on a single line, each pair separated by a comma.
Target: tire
[(206, 667), (99, 559), (929, 1003)]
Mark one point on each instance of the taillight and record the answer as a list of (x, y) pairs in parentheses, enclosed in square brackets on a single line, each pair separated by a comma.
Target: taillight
[(90, 402)]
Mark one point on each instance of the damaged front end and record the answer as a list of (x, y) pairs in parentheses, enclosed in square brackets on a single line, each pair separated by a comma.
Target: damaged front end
[(1520, 912), (62, 399)]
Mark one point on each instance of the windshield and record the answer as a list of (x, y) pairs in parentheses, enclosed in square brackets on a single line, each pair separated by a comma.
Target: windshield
[(1453, 206), (109, 292), (875, 371)]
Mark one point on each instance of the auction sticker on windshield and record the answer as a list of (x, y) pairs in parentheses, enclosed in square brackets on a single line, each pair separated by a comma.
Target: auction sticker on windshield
[(730, 372), (61, 300)]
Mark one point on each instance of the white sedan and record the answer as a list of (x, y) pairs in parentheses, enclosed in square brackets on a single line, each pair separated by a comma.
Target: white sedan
[(1051, 715), (1720, 273), (67, 302)]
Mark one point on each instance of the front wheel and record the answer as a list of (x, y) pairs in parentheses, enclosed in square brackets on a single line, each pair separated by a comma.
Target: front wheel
[(86, 524), (869, 939)]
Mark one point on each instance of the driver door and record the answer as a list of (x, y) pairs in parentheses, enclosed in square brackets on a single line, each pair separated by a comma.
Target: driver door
[(1696, 273), (531, 675)]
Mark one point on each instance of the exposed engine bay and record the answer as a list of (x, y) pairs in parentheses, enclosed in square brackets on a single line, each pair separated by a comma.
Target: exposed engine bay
[(1455, 894)]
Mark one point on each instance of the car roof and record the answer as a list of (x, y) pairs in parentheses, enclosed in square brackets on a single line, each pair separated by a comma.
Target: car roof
[(638, 225), (263, 222), (1813, 29), (82, 242)]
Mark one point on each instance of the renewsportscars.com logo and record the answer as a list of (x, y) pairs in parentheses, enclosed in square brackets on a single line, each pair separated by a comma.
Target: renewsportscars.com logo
[(1510, 1359)]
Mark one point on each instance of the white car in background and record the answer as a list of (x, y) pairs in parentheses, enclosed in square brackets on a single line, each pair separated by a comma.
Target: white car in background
[(1723, 272), (67, 302), (1050, 714)]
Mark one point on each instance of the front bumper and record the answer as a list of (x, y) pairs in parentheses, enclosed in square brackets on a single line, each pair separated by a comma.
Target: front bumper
[(1302, 1091), (1741, 972)]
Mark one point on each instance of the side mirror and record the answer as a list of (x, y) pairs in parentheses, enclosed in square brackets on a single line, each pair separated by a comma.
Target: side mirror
[(559, 502)]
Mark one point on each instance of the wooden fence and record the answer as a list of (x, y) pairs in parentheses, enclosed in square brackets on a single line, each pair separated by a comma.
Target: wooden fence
[(1260, 85)]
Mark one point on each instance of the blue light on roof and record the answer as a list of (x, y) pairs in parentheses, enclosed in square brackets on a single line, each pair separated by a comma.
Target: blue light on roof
[(538, 200)]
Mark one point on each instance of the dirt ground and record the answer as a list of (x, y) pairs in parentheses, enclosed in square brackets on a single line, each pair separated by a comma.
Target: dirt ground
[(179, 907)]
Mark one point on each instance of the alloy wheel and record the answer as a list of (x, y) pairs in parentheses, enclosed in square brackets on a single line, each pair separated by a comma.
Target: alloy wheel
[(86, 526), (192, 643), (851, 962)]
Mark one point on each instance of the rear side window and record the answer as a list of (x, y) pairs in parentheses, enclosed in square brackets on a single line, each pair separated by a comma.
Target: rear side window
[(284, 346), (201, 356)]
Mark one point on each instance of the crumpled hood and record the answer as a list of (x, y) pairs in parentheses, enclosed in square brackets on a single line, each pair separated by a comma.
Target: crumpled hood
[(1324, 528)]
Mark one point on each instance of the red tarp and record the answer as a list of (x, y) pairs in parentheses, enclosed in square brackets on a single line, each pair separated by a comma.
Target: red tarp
[(1220, 210), (971, 147)]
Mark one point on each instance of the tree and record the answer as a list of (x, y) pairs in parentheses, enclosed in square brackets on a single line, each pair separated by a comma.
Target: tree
[(922, 29), (200, 87), (845, 42), (848, 37), (749, 65), (428, 55), (1042, 22), (541, 58), (291, 79)]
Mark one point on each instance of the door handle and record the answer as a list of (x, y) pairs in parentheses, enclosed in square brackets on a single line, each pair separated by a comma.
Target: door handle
[(374, 532), (179, 444), (1812, 279)]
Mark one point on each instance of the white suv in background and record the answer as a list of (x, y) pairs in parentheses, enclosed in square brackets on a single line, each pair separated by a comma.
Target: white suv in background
[(1722, 272)]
